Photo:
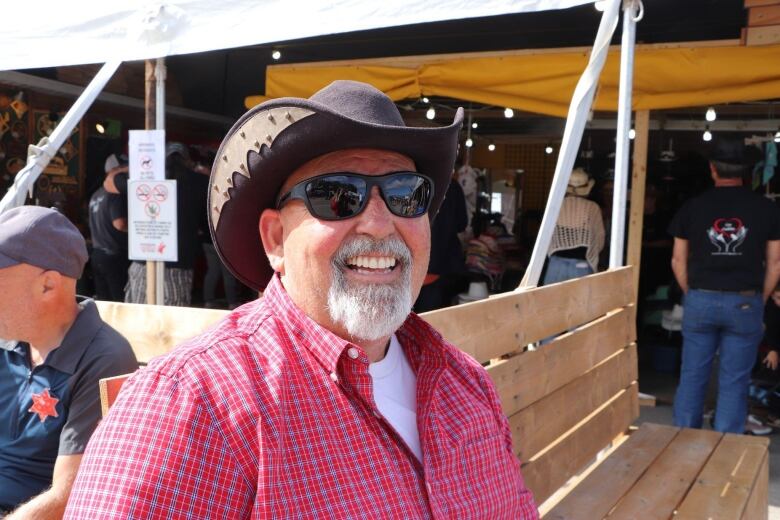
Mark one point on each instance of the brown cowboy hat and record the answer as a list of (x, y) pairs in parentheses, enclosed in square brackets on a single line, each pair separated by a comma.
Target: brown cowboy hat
[(276, 137)]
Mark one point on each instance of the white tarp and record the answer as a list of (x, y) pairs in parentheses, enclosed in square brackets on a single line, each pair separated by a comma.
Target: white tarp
[(71, 32)]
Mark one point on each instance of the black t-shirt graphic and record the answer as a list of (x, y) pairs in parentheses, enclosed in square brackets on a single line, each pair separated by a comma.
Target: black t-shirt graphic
[(727, 230)]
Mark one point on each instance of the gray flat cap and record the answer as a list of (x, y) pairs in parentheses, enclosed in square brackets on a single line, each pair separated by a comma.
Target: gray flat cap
[(41, 237)]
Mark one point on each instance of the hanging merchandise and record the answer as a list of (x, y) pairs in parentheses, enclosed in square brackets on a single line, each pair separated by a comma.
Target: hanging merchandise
[(770, 162)]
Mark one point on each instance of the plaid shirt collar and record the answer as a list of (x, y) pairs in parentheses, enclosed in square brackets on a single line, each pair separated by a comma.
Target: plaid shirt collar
[(327, 347)]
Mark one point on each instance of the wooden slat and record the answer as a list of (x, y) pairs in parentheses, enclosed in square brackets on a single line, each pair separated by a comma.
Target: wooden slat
[(757, 3), (489, 328), (109, 390), (764, 15), (661, 489), (536, 426), (758, 503), (527, 377), (598, 493), (724, 485), (550, 469), (153, 330), (637, 205), (766, 35)]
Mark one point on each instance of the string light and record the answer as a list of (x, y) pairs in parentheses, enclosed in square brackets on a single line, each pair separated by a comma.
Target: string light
[(469, 142), (548, 150), (276, 54), (710, 115), (474, 125), (431, 113), (707, 135), (491, 147), (100, 128), (509, 113), (425, 100), (631, 134), (777, 136)]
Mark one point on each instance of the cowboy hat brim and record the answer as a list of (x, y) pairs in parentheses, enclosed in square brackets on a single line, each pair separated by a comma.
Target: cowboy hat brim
[(277, 137)]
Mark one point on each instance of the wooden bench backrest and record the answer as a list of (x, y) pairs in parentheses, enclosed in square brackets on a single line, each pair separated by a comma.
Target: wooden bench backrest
[(569, 399), (153, 330)]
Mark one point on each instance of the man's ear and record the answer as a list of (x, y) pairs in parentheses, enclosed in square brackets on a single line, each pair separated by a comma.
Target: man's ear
[(49, 282), (272, 236)]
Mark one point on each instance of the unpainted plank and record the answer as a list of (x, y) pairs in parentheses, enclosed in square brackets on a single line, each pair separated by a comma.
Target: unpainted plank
[(767, 35), (505, 323), (757, 3), (536, 426), (525, 378), (758, 503), (153, 330), (550, 469), (598, 493), (725, 483), (662, 487), (764, 15)]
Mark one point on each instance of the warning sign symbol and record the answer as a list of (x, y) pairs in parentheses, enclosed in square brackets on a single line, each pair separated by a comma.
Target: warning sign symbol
[(143, 192), (152, 209), (160, 193), (146, 162)]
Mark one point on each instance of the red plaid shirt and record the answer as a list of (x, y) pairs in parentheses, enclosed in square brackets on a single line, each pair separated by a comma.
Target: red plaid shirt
[(266, 416)]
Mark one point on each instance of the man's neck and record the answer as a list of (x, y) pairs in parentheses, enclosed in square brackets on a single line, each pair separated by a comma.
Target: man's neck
[(52, 334), (727, 183)]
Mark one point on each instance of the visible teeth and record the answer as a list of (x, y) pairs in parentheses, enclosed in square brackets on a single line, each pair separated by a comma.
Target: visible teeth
[(372, 262)]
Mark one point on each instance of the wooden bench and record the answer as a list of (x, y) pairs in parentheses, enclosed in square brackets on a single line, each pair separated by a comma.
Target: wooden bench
[(571, 405)]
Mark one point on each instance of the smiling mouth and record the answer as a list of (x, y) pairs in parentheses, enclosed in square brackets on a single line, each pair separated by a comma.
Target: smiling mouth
[(372, 264)]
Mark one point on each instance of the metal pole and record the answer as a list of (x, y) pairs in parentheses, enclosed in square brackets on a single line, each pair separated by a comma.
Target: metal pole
[(572, 135), (622, 141), (149, 124), (160, 74)]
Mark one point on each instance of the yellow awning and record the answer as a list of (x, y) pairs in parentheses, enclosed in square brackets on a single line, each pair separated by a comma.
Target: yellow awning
[(544, 82)]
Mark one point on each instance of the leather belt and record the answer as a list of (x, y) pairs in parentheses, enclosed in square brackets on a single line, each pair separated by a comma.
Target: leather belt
[(748, 292)]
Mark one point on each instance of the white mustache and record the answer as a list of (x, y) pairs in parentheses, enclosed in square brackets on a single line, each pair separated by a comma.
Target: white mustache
[(363, 245)]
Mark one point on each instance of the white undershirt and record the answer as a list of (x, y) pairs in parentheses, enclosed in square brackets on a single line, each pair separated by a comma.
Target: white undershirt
[(395, 392)]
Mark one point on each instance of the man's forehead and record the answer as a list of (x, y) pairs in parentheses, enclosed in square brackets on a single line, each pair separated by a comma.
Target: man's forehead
[(357, 160)]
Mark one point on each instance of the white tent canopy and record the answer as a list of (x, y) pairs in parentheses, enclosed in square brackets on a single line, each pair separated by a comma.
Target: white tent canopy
[(97, 31)]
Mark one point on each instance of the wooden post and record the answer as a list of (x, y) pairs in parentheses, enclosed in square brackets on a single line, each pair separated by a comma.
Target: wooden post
[(638, 177), (149, 124)]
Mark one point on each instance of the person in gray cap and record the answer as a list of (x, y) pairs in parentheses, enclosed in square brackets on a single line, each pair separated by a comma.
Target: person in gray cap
[(54, 349), (328, 397)]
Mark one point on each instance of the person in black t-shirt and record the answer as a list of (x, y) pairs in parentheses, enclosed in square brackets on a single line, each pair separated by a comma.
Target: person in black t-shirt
[(108, 227), (726, 259)]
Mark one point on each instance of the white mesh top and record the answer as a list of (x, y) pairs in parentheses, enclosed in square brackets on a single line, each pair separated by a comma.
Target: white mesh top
[(579, 225)]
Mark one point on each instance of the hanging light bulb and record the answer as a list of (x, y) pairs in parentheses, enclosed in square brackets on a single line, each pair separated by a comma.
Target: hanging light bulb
[(276, 54), (100, 128), (548, 150), (425, 100), (707, 135), (469, 142), (474, 125), (710, 115), (777, 136), (431, 113), (509, 113), (491, 147), (631, 134)]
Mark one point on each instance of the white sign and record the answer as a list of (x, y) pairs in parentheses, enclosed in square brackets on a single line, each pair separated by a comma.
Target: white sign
[(147, 155), (152, 220)]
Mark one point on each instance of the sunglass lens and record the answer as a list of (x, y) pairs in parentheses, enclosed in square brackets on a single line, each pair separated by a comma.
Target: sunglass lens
[(407, 195), (336, 196)]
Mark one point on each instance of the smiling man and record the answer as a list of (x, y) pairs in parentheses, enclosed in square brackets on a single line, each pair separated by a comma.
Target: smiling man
[(326, 398)]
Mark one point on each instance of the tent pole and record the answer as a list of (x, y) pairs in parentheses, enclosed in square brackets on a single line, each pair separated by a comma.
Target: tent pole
[(38, 156), (160, 73), (149, 124), (638, 178), (581, 102), (617, 239)]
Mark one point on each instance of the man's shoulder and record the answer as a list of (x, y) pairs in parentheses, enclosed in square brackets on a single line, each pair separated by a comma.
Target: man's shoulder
[(423, 333)]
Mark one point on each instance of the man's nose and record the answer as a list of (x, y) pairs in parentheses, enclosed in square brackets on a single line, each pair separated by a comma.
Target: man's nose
[(375, 220)]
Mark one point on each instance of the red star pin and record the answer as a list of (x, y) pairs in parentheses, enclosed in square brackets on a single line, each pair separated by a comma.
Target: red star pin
[(44, 404)]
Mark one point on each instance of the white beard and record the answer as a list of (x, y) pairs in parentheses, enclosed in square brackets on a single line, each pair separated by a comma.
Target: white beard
[(370, 311)]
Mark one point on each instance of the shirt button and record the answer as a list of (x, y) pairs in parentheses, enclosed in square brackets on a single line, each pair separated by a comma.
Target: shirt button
[(353, 352), (334, 377), (429, 488)]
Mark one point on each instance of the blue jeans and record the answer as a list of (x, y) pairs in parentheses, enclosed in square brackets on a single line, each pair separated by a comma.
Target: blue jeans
[(560, 269), (712, 322)]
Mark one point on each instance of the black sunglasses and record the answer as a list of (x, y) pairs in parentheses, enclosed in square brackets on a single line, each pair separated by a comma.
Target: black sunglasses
[(342, 195)]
